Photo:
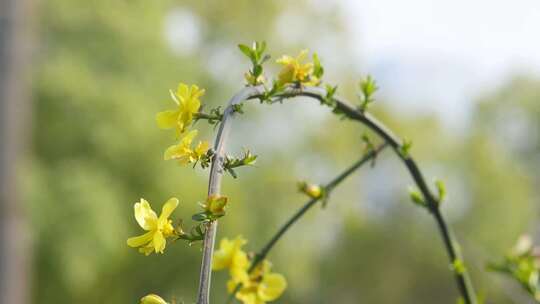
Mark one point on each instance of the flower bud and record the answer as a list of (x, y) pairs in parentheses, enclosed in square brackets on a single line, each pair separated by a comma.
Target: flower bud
[(311, 190), (152, 299), (215, 204)]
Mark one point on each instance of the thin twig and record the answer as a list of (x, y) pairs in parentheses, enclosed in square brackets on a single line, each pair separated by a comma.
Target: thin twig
[(261, 255), (451, 245)]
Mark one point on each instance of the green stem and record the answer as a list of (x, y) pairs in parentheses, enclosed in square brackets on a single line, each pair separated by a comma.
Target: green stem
[(201, 115), (259, 257)]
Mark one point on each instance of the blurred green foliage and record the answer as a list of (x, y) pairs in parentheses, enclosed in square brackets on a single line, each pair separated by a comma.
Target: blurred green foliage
[(104, 70)]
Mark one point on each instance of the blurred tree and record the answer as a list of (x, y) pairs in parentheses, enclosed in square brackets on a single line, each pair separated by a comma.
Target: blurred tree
[(15, 24), (104, 71)]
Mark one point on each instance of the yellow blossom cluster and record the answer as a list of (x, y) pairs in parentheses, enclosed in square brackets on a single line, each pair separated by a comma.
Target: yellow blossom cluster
[(256, 287), (188, 104), (158, 228), (294, 70), (183, 153)]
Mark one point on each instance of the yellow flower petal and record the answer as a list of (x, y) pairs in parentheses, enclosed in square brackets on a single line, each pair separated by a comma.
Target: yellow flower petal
[(144, 214), (147, 250), (223, 257), (302, 55), (271, 287), (168, 209), (182, 151), (167, 119), (152, 299), (195, 92), (231, 286), (182, 91), (285, 60), (173, 152), (140, 240), (201, 149), (249, 296), (239, 267), (189, 137), (159, 242)]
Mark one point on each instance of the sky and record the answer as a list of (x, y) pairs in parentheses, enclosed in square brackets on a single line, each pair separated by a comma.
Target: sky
[(427, 56), (441, 55)]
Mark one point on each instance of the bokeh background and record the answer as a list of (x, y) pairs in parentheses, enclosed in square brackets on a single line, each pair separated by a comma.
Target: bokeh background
[(81, 82)]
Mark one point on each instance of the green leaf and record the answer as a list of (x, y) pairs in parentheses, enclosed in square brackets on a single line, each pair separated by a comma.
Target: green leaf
[(329, 98), (246, 50), (257, 70), (318, 70), (199, 230), (200, 217), (238, 108), (232, 172), (265, 58), (260, 47)]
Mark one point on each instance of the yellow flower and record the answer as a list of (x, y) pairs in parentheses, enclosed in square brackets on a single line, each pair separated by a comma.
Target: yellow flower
[(159, 228), (261, 286), (187, 99), (294, 71), (201, 149), (152, 299), (271, 287), (230, 255), (183, 152)]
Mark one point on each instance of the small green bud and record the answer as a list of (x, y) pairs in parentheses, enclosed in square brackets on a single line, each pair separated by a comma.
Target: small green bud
[(329, 98), (368, 86), (405, 147), (416, 197), (441, 189), (458, 266), (248, 159), (318, 70)]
